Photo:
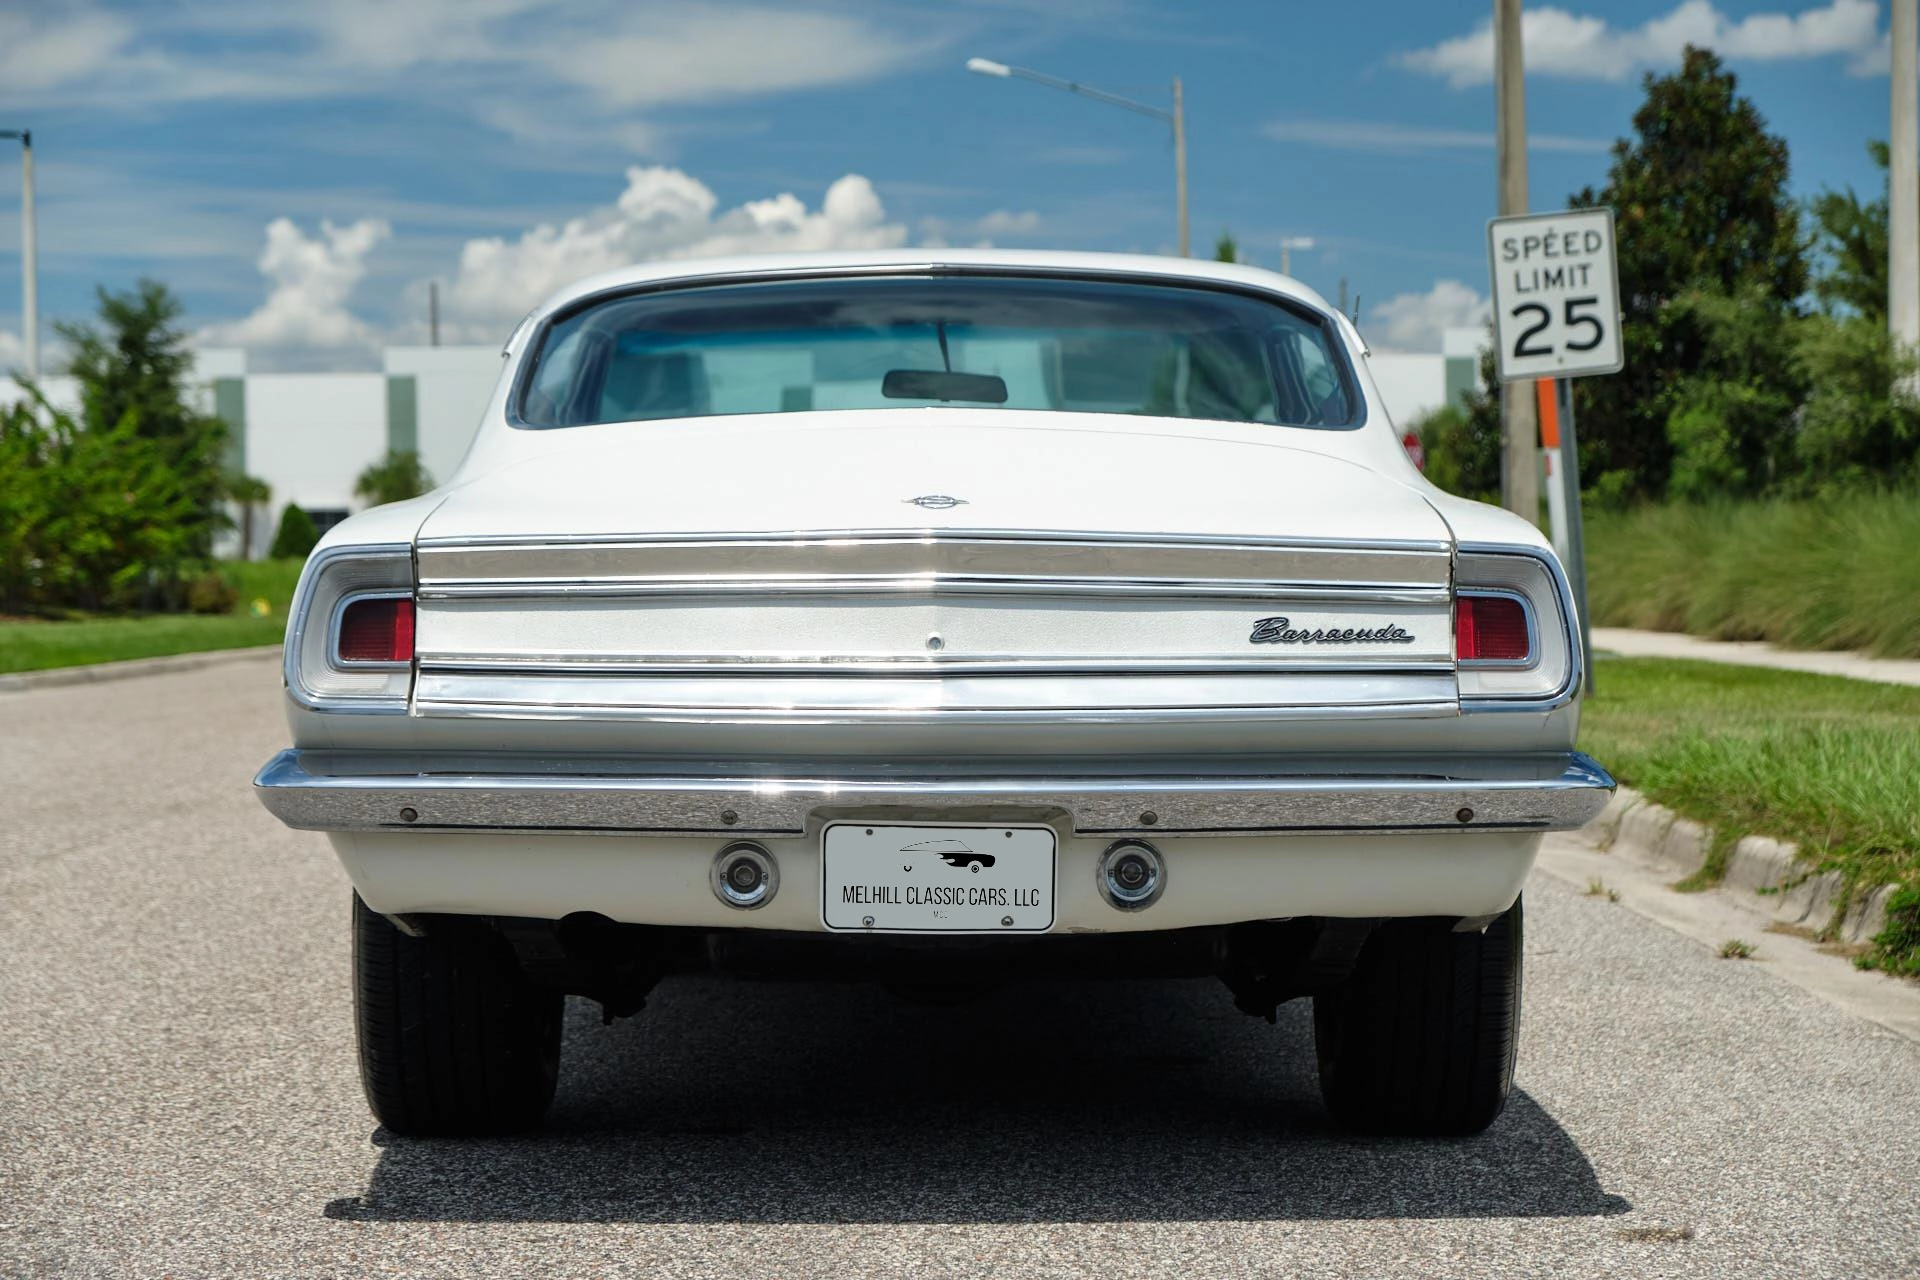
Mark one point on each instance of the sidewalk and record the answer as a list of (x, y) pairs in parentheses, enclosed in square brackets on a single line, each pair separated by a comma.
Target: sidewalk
[(1754, 653)]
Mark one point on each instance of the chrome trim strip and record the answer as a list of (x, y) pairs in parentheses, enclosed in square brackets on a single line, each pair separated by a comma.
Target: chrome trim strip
[(990, 556), (1555, 792), (937, 584), (1534, 656), (830, 698), (929, 533), (1569, 691), (537, 664), (725, 714)]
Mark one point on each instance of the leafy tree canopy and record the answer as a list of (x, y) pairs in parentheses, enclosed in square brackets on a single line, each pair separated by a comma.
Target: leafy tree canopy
[(132, 367), (394, 478), (1700, 196), (1851, 237)]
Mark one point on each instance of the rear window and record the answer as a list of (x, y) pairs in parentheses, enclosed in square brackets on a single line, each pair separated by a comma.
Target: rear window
[(982, 342)]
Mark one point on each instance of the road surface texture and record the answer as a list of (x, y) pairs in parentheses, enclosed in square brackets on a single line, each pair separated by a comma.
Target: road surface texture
[(178, 1094)]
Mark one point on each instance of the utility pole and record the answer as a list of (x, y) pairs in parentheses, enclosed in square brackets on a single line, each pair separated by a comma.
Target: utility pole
[(433, 313), (29, 255), (1520, 451), (1180, 161), (1903, 184)]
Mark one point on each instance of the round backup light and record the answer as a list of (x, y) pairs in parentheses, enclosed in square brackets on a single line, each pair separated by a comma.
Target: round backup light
[(745, 876), (1132, 874)]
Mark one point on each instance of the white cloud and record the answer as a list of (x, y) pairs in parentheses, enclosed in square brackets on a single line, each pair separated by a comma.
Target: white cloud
[(1005, 222), (693, 54), (13, 353), (1416, 321), (938, 233), (662, 214), (587, 65), (1361, 135), (50, 50), (1560, 43), (311, 279)]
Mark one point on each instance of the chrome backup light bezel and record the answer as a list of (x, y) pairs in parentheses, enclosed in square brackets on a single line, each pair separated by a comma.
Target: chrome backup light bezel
[(316, 677), (1553, 676)]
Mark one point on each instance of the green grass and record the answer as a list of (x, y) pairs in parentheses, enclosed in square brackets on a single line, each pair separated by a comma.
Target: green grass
[(1828, 573), (1831, 764), (38, 644)]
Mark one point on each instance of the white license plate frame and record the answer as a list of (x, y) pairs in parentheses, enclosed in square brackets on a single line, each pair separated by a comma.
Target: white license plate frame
[(938, 878)]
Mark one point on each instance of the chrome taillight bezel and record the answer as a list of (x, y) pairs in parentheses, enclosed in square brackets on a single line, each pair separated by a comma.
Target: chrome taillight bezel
[(317, 678), (1552, 676)]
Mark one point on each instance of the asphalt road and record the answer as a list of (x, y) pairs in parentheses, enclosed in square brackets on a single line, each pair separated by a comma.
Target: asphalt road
[(178, 1094)]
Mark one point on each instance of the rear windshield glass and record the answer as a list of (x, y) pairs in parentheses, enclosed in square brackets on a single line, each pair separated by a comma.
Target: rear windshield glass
[(980, 342)]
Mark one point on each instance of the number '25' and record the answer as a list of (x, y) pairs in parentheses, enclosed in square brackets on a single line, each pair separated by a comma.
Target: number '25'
[(1524, 344)]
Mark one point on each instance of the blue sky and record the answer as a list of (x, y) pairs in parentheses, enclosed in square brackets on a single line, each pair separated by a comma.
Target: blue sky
[(298, 172)]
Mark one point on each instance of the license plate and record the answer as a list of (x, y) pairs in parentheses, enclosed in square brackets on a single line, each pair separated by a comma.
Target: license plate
[(936, 879)]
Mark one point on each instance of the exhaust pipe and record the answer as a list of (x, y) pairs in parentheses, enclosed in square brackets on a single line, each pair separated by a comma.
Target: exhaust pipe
[(1132, 875), (745, 876)]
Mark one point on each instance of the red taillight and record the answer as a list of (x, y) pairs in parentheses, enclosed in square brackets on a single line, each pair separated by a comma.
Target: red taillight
[(1491, 629), (377, 631)]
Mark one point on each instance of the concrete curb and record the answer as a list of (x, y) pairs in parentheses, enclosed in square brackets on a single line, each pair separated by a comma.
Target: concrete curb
[(1763, 874), (21, 681)]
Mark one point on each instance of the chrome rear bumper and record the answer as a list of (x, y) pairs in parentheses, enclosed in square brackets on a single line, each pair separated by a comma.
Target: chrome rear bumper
[(331, 791)]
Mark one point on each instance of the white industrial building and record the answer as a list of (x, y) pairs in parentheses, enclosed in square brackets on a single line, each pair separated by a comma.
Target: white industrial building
[(309, 435)]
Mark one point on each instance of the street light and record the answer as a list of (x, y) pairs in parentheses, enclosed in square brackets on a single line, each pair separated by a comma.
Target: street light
[(29, 271), (1287, 245), (1177, 118)]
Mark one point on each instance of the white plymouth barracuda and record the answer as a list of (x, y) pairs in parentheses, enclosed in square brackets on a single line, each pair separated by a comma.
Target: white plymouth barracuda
[(940, 618)]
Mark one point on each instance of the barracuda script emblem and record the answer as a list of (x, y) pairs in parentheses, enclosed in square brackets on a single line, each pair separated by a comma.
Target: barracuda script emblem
[(1282, 631)]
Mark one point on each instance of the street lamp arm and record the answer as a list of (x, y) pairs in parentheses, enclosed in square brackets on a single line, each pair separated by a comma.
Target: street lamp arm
[(1085, 91)]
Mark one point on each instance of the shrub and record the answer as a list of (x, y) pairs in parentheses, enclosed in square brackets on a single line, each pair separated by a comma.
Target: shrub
[(295, 536), (91, 517), (210, 593)]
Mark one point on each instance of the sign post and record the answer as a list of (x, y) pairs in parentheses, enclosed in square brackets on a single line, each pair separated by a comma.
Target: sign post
[(1556, 314)]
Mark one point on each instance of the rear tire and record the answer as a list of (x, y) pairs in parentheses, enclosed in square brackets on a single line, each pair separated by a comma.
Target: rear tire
[(454, 1040), (1420, 1039)]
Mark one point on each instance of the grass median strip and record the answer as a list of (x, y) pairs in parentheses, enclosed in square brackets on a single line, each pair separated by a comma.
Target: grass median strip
[(258, 617), (1830, 763)]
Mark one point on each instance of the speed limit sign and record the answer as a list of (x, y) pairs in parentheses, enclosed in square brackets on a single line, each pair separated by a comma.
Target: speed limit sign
[(1556, 294)]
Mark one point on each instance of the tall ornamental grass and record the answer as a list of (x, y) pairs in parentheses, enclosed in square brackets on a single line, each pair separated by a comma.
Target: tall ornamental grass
[(1834, 572)]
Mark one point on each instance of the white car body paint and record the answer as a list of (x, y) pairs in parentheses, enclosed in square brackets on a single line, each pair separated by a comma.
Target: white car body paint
[(551, 646)]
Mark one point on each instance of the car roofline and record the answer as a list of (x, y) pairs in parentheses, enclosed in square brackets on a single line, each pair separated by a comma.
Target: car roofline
[(855, 262)]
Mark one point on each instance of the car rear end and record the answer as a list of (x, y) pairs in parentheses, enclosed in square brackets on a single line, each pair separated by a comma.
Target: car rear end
[(1118, 696)]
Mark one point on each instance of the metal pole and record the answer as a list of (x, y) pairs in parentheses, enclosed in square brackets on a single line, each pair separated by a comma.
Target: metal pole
[(1903, 184), (1520, 453), (433, 313), (1180, 161), (1576, 524)]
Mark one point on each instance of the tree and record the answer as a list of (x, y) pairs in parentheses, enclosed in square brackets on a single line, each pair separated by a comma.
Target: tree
[(1700, 196), (295, 537), (1226, 248), (1851, 239), (394, 478), (248, 492), (132, 371)]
